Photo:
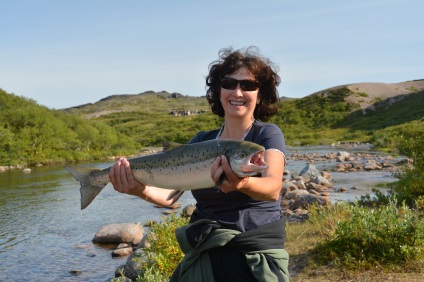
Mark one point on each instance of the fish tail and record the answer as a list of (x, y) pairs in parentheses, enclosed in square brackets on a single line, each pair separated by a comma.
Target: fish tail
[(88, 190)]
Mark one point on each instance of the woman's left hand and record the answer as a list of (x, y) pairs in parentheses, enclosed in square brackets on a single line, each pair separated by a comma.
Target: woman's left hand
[(231, 182)]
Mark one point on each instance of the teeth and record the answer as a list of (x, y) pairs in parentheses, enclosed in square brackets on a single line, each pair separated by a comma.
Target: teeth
[(235, 103)]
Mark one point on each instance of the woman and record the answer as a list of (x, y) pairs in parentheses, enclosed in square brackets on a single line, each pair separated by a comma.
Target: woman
[(236, 234)]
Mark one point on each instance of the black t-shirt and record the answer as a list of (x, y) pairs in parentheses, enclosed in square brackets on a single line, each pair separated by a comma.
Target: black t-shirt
[(236, 210)]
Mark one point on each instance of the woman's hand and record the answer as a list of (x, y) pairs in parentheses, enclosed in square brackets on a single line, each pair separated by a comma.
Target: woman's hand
[(123, 180), (231, 182)]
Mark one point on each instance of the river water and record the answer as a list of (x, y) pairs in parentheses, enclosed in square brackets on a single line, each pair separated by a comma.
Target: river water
[(45, 236)]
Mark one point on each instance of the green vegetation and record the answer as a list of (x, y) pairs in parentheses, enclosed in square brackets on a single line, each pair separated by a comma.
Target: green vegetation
[(359, 238), (123, 124), (349, 242), (164, 253), (31, 134)]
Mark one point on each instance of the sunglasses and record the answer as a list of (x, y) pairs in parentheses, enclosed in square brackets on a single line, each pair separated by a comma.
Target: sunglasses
[(245, 84)]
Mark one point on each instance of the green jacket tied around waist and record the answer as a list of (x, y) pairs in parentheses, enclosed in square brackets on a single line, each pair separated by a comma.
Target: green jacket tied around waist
[(263, 248)]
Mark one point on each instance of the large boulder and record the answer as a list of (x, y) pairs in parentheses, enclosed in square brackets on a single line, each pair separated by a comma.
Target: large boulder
[(119, 233), (304, 201)]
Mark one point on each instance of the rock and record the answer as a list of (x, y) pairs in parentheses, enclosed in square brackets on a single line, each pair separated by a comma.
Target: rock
[(300, 184), (340, 159), (326, 175), (75, 272), (339, 168), (122, 252), (372, 166), (188, 210), (343, 154), (144, 243), (293, 195), (342, 189), (315, 192), (322, 181), (26, 170), (122, 245), (119, 233), (132, 267), (309, 171), (287, 187), (356, 165), (304, 201)]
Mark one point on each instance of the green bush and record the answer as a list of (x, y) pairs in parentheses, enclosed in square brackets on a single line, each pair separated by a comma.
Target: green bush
[(164, 253), (411, 181), (360, 238)]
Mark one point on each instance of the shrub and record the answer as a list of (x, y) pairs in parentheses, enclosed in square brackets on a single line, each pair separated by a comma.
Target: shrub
[(164, 253), (360, 238)]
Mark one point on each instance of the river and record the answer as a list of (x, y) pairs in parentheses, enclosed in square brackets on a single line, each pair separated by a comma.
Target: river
[(45, 236)]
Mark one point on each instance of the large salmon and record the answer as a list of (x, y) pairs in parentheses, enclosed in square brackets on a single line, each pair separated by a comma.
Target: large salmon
[(185, 167)]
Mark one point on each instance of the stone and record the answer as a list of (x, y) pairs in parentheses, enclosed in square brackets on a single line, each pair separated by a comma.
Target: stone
[(309, 171), (122, 252), (119, 233), (188, 210)]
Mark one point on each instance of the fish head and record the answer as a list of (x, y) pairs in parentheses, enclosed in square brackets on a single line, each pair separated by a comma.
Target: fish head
[(247, 159)]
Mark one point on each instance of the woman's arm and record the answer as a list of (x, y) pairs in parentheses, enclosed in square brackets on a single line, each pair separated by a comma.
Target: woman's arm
[(123, 181), (264, 188)]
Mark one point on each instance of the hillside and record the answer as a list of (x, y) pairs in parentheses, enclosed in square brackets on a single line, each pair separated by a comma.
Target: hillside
[(32, 134), (148, 102), (366, 94), (123, 124), (327, 116)]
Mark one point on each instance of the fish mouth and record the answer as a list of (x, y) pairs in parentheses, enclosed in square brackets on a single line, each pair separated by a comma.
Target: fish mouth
[(253, 164)]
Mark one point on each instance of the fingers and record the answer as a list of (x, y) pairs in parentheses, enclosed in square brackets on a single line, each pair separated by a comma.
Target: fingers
[(216, 169), (121, 176), (115, 175), (231, 181)]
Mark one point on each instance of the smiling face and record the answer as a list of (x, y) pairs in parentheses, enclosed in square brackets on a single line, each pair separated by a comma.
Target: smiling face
[(238, 103)]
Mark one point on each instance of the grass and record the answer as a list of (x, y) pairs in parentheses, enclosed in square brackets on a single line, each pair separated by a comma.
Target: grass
[(333, 246)]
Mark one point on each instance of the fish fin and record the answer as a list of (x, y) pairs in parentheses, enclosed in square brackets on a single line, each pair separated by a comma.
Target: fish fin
[(219, 182), (175, 194), (87, 190), (170, 145)]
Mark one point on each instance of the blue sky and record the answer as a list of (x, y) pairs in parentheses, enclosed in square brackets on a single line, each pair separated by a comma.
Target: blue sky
[(67, 53)]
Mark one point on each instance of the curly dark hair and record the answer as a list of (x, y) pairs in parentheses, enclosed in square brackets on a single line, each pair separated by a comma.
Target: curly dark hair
[(264, 71)]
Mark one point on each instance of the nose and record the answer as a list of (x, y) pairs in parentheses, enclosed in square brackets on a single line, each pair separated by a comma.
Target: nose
[(238, 91)]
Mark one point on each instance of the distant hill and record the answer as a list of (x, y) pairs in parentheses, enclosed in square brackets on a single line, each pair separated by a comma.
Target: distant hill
[(122, 124), (367, 94), (364, 95), (340, 113), (149, 101), (364, 112)]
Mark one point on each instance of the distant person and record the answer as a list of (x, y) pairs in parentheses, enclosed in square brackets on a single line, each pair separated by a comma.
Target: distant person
[(237, 234)]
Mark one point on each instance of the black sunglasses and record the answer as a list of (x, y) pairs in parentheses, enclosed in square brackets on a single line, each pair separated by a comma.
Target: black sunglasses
[(245, 84)]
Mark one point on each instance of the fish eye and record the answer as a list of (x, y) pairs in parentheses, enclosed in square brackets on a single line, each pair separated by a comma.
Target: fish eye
[(243, 155)]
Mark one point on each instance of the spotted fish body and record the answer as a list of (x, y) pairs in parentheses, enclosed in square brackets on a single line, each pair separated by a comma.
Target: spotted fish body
[(186, 167)]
